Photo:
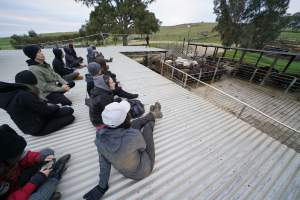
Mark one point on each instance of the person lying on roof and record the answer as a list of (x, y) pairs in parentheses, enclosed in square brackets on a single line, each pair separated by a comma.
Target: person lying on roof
[(26, 174), (51, 85), (33, 115), (93, 53), (59, 66), (127, 146)]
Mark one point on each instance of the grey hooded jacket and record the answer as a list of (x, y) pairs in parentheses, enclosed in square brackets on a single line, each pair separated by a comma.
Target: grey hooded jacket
[(125, 150)]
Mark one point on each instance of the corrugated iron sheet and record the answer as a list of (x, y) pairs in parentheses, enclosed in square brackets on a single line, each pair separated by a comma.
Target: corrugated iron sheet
[(202, 152)]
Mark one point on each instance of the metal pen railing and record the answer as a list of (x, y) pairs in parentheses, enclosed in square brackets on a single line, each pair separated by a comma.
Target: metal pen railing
[(267, 124)]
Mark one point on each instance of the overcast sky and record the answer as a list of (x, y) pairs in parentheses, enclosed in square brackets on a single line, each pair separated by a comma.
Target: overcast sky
[(44, 16)]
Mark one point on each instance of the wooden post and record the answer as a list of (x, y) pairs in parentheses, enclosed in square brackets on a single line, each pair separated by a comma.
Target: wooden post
[(205, 52), (270, 70), (240, 62), (290, 86), (224, 53), (289, 63), (234, 55), (259, 58), (183, 44), (195, 53)]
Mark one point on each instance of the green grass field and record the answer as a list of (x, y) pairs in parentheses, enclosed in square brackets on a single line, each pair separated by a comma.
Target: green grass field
[(5, 43), (251, 58), (177, 33)]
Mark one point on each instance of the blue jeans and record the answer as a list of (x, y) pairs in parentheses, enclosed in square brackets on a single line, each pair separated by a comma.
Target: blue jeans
[(45, 191)]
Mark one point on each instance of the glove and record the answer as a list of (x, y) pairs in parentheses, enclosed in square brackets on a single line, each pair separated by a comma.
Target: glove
[(38, 179), (96, 193)]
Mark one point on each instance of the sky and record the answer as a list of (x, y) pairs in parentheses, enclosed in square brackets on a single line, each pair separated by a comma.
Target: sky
[(44, 16)]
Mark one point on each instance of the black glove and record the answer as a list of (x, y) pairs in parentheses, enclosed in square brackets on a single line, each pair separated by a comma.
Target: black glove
[(96, 193)]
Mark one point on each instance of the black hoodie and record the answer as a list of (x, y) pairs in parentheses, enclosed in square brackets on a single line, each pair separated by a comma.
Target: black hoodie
[(28, 112), (59, 65)]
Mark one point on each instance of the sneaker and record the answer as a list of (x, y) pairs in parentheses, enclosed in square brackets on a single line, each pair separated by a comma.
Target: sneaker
[(156, 110), (157, 106), (60, 167), (79, 77)]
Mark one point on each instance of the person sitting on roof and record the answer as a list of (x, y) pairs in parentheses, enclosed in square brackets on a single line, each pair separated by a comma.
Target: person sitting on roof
[(126, 145), (102, 94), (51, 85), (30, 113), (93, 53), (105, 71), (72, 60), (25, 174), (69, 74)]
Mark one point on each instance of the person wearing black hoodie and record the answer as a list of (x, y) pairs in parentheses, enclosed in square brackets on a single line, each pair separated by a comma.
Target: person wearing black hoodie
[(105, 71), (101, 95), (72, 60), (59, 67), (31, 114)]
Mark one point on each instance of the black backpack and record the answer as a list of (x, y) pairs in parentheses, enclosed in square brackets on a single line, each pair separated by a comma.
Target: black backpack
[(137, 108)]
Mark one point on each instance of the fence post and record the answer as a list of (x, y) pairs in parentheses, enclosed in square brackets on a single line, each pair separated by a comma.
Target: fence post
[(162, 68), (253, 75), (216, 70), (290, 86), (199, 78), (183, 44), (195, 53), (187, 49), (172, 75), (242, 110), (185, 80), (270, 70)]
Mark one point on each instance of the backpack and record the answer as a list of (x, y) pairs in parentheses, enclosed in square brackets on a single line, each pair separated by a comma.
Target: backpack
[(137, 108)]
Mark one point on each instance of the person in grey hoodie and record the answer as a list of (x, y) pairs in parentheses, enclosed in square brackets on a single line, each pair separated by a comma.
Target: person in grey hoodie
[(128, 146)]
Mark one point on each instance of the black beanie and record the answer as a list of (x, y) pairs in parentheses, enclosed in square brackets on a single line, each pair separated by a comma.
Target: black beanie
[(26, 77), (31, 51), (11, 144)]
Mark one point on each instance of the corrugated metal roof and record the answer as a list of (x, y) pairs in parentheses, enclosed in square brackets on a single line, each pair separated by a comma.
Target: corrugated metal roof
[(202, 152)]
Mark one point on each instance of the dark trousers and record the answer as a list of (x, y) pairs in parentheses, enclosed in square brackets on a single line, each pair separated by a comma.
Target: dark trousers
[(146, 126), (70, 77), (64, 116), (58, 97)]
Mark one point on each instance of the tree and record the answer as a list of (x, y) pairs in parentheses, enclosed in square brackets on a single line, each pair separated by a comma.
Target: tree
[(250, 23), (120, 16), (293, 21), (229, 18), (32, 33), (147, 23)]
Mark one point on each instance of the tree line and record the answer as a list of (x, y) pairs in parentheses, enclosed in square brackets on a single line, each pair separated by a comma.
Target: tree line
[(19, 41), (253, 23)]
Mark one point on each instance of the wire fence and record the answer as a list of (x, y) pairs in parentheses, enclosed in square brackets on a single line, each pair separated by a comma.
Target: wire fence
[(276, 129)]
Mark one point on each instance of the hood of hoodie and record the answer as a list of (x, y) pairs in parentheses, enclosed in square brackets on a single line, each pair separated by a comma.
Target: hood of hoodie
[(111, 139), (33, 62), (67, 50), (90, 52), (8, 91), (100, 83), (58, 53)]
